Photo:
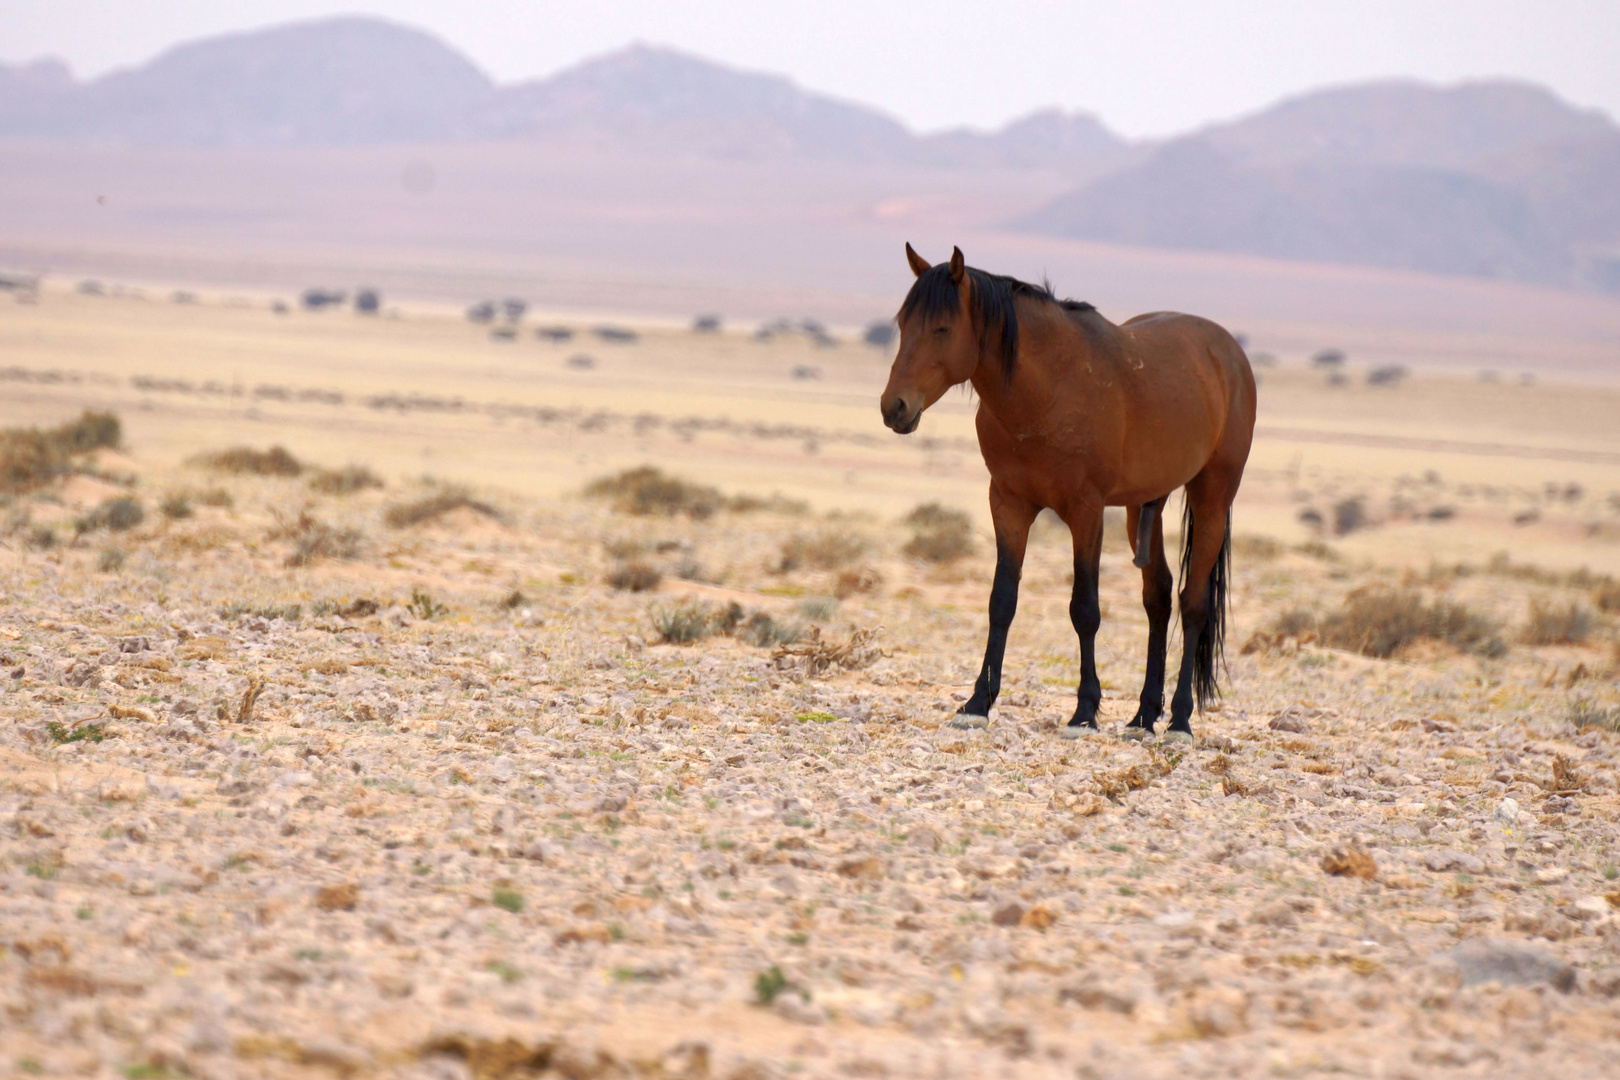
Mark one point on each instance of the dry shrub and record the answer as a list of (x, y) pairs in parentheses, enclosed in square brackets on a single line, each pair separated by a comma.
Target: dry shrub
[(939, 533), (435, 505), (176, 506), (1550, 624), (635, 577), (31, 458), (1350, 515), (216, 497), (862, 580), (648, 490), (114, 515), (1379, 621), (818, 657), (1607, 596), (245, 460), (314, 540), (1586, 712), (828, 549), (688, 621), (344, 481)]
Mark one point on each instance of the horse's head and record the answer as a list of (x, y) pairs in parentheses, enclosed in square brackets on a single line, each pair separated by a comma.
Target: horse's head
[(939, 347)]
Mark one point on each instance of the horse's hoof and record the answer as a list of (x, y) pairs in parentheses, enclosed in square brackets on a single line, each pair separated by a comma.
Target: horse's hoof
[(1076, 731), (1134, 734), (969, 720), (1178, 736)]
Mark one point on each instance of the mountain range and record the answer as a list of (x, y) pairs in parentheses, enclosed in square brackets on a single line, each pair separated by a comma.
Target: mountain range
[(1495, 179)]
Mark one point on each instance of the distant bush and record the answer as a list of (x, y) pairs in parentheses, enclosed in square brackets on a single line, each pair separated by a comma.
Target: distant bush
[(648, 490), (1550, 624), (862, 580), (314, 540), (344, 481), (1607, 596), (635, 577), (1349, 515), (31, 457), (244, 460), (688, 621), (939, 533), (1380, 621), (880, 334), (435, 505), (114, 515), (828, 549), (176, 506)]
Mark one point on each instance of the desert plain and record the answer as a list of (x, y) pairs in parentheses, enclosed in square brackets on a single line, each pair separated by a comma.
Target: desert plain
[(480, 758)]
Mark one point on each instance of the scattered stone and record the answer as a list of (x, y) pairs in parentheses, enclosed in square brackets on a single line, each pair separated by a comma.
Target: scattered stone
[(1509, 963)]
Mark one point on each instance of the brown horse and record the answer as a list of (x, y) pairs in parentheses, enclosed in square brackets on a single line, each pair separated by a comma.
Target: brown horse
[(1076, 414)]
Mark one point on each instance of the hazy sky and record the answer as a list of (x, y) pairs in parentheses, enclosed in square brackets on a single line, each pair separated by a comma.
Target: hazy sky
[(1146, 67)]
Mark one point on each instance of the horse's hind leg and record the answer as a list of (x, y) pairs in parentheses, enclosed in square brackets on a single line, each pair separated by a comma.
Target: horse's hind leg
[(1013, 518), (1203, 593), (1085, 612), (1158, 598)]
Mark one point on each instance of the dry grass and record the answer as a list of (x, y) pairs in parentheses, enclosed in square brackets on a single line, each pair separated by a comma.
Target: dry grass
[(1380, 621), (344, 481), (853, 582), (31, 457), (435, 505), (1552, 624), (1607, 596), (244, 460), (818, 657), (939, 533), (828, 549)]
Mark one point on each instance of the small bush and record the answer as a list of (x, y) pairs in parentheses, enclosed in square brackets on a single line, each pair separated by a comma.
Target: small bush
[(769, 984), (42, 538), (30, 457), (939, 533), (648, 490), (1585, 713), (1349, 515), (683, 623), (1550, 624), (762, 631), (1380, 621), (114, 515), (1607, 596), (507, 900), (216, 497), (512, 600), (423, 606), (177, 506), (851, 582), (818, 608), (110, 560), (1258, 548), (344, 481), (244, 460), (635, 577), (240, 609), (314, 540), (828, 549), (434, 506)]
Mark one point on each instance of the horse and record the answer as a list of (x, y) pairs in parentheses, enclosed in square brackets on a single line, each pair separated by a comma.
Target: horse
[(1077, 414)]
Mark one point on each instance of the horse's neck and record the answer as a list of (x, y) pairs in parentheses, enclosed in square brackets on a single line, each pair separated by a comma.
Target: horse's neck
[(1052, 349)]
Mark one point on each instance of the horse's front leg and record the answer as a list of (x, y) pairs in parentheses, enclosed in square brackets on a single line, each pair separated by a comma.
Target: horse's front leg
[(1085, 612), (1013, 517)]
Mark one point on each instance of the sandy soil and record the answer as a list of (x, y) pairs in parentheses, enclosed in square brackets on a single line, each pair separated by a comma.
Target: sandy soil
[(494, 827)]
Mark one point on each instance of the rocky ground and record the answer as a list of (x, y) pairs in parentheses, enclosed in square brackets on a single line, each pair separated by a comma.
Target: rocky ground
[(439, 803)]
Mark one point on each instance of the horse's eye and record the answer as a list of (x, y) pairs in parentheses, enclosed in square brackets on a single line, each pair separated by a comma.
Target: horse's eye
[(941, 330)]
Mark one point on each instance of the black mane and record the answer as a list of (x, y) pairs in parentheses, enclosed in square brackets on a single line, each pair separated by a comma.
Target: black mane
[(934, 295)]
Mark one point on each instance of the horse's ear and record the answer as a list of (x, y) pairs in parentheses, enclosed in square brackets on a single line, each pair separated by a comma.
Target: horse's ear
[(919, 265), (958, 266)]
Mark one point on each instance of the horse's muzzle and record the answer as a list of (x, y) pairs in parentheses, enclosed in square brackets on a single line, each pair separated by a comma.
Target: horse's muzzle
[(901, 418)]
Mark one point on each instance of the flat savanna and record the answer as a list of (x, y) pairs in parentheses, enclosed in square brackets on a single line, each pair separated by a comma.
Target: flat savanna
[(447, 743)]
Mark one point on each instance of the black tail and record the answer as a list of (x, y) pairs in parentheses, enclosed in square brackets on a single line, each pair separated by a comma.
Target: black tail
[(1210, 656)]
